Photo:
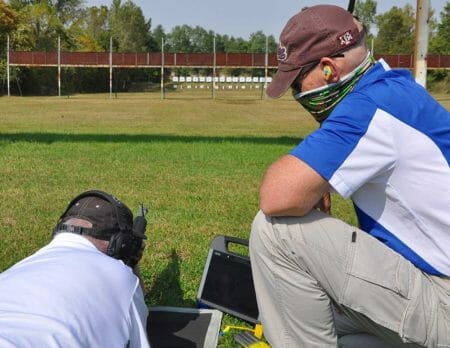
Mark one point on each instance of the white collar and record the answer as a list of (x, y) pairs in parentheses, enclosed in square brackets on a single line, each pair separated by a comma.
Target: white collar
[(67, 239)]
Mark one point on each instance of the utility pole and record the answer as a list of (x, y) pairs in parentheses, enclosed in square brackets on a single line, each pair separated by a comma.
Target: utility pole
[(421, 41)]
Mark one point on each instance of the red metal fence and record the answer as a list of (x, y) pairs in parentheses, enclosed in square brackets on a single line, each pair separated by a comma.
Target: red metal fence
[(223, 60)]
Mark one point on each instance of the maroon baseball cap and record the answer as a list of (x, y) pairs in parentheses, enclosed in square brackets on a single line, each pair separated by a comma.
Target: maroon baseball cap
[(315, 32)]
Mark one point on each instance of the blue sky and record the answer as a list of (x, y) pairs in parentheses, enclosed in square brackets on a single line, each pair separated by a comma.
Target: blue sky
[(239, 18)]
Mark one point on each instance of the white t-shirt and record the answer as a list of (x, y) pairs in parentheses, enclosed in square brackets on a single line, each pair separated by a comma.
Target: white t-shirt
[(69, 294)]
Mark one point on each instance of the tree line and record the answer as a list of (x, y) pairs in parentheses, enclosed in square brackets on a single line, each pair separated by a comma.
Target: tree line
[(35, 25)]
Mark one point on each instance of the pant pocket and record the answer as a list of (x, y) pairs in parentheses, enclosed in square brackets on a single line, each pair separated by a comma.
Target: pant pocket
[(444, 326), (378, 283), (419, 321)]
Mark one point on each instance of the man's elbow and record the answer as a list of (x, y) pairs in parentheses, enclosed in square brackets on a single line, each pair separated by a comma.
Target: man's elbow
[(267, 207), (277, 207), (270, 200)]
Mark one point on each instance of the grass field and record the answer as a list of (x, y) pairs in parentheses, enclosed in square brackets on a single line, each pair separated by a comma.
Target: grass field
[(196, 162)]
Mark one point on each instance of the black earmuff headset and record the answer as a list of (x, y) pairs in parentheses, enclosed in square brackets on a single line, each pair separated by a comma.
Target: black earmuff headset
[(126, 238)]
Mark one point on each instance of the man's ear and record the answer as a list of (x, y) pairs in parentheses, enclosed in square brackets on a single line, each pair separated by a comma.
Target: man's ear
[(100, 244), (330, 70)]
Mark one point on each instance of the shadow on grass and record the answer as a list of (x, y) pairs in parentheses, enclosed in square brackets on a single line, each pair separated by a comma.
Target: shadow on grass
[(49, 138), (166, 289)]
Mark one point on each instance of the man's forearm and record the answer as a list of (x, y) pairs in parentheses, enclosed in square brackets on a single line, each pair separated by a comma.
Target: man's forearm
[(291, 188)]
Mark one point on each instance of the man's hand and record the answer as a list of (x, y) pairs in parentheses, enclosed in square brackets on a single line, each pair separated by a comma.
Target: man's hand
[(136, 269), (137, 273), (324, 204), (140, 252)]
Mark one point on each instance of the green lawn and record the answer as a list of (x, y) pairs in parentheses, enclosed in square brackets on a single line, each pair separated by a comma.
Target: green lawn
[(196, 162)]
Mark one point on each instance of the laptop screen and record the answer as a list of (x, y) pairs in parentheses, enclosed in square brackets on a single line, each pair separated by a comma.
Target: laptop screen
[(229, 287)]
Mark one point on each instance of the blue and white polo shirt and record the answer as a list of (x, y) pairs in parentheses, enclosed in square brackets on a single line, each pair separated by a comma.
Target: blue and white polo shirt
[(387, 146)]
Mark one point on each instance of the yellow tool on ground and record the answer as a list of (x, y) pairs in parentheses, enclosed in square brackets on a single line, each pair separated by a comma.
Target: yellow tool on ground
[(257, 330), (247, 340), (251, 338)]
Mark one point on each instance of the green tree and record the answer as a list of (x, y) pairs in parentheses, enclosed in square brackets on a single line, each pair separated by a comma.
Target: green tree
[(202, 40), (129, 28), (8, 20), (38, 28), (90, 32), (238, 45), (220, 42), (395, 31), (440, 43), (19, 4), (366, 11), (158, 34), (257, 43), (179, 39), (68, 10)]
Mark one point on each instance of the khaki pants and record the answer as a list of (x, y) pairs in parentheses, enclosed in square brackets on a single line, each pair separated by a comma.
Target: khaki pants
[(304, 267)]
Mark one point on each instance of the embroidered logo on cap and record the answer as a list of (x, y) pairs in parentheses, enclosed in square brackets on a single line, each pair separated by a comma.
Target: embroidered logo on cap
[(281, 53), (346, 39)]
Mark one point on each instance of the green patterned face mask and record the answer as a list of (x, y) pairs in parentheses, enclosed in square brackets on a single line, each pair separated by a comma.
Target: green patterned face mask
[(321, 101)]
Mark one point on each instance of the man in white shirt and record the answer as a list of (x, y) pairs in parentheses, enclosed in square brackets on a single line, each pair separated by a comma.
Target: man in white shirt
[(80, 289)]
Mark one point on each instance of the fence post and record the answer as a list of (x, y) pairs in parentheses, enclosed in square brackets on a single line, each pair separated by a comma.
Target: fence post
[(162, 68), (7, 66), (266, 67), (59, 66), (110, 67), (214, 68)]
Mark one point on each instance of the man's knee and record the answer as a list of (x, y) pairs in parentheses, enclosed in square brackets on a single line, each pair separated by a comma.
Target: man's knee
[(267, 230), (259, 225)]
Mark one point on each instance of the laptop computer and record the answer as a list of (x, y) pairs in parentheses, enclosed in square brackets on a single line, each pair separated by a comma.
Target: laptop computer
[(227, 282)]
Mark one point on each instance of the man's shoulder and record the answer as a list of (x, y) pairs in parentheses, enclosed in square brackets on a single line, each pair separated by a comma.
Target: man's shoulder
[(71, 251), (380, 76)]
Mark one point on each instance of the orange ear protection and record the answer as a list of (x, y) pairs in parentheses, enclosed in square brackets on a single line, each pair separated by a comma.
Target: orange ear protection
[(327, 72)]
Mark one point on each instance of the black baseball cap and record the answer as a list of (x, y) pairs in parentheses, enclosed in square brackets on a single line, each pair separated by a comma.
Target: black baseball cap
[(106, 213)]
